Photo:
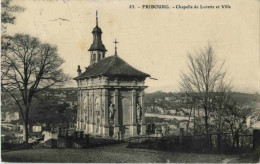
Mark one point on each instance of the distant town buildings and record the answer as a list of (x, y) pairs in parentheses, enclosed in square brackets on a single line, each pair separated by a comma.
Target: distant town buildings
[(36, 128), (47, 108)]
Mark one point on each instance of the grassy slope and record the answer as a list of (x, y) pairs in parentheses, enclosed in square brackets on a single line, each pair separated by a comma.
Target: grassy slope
[(113, 153)]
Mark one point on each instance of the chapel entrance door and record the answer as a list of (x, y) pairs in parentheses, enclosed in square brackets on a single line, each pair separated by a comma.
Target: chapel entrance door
[(124, 114)]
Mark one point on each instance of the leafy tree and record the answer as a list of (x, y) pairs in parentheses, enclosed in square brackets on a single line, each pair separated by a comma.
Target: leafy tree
[(235, 118), (28, 67), (7, 11), (149, 101)]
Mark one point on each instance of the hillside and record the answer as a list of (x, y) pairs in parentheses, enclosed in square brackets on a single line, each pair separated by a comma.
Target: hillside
[(50, 106), (171, 100), (54, 105)]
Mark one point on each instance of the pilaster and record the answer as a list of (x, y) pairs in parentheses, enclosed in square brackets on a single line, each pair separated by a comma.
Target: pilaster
[(84, 114), (104, 118), (133, 117), (105, 106), (81, 111), (143, 107), (87, 112), (93, 111), (116, 124), (78, 111), (101, 107), (99, 124), (133, 130), (116, 107), (105, 131), (143, 126), (100, 130), (116, 130), (91, 129), (133, 126)]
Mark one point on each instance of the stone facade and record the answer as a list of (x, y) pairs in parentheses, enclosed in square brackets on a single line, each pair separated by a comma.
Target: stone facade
[(95, 97)]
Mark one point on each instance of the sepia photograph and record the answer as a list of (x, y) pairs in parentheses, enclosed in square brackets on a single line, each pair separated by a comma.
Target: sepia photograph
[(130, 81)]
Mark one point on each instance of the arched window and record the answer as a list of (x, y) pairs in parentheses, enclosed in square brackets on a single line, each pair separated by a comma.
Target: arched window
[(94, 57), (103, 56), (99, 56)]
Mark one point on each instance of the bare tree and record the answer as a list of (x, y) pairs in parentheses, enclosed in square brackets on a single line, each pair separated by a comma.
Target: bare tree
[(29, 66), (205, 80)]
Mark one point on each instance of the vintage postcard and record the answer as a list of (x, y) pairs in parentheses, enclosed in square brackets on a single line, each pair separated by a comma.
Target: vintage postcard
[(130, 81)]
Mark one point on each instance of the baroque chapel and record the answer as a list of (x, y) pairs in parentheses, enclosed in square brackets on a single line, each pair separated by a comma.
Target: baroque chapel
[(110, 94)]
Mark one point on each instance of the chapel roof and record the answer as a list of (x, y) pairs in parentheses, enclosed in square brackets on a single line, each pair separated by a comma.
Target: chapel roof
[(111, 66)]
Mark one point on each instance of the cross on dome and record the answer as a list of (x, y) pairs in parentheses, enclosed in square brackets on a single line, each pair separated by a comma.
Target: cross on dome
[(116, 47), (96, 17)]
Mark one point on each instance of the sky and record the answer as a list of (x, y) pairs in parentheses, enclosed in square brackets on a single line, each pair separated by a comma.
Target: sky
[(155, 41)]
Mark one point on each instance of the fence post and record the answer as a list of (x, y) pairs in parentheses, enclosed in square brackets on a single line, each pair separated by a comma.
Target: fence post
[(219, 142), (242, 141), (256, 139), (181, 138), (59, 131), (87, 139), (210, 142), (149, 142), (81, 135), (256, 143), (237, 138), (76, 136)]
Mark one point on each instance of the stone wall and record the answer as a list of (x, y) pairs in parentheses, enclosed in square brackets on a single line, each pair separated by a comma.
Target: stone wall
[(94, 103)]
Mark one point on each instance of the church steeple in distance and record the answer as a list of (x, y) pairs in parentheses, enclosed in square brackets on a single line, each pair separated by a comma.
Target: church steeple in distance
[(97, 48)]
